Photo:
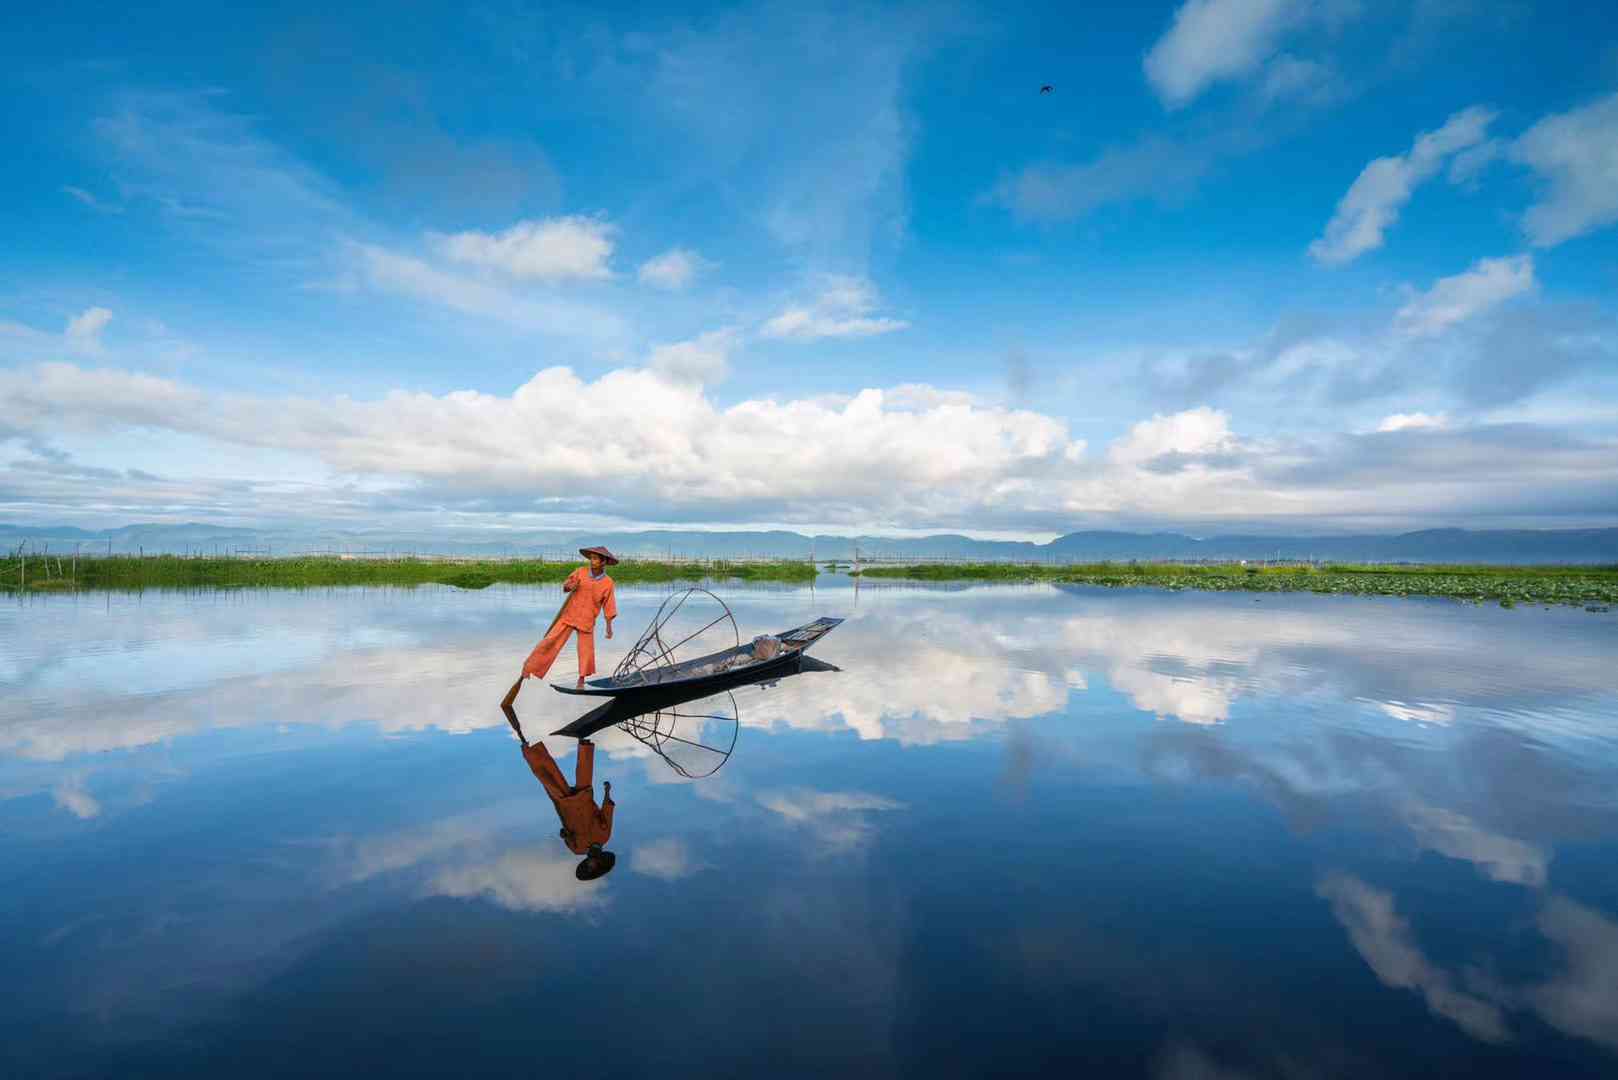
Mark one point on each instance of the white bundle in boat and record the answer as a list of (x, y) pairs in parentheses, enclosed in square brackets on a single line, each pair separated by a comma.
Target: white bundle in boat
[(765, 647)]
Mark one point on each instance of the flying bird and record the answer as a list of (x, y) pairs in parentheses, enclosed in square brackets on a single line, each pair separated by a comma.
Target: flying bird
[(1046, 89)]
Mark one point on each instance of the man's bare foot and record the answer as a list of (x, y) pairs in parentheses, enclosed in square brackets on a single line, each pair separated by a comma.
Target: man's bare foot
[(581, 682)]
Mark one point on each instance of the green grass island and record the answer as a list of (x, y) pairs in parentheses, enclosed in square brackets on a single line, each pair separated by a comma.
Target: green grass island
[(35, 572), (1588, 586)]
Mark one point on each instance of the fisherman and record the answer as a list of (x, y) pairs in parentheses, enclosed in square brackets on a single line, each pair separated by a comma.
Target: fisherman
[(586, 827), (589, 591)]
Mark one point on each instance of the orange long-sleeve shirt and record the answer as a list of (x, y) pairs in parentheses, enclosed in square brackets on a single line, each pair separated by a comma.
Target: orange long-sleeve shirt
[(586, 597), (585, 824)]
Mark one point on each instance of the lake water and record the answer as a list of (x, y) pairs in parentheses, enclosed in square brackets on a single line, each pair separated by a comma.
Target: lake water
[(1142, 833)]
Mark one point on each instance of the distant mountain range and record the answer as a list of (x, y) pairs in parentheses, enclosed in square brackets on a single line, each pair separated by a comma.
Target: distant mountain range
[(1428, 545)]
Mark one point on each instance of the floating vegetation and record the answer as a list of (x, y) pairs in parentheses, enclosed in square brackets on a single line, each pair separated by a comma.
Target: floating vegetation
[(34, 572), (1593, 587)]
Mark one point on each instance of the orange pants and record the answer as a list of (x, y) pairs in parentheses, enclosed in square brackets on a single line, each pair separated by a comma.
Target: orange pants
[(549, 773), (545, 653)]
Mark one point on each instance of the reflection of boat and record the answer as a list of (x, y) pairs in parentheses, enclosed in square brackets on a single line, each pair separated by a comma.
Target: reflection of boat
[(690, 723), (626, 707), (654, 687)]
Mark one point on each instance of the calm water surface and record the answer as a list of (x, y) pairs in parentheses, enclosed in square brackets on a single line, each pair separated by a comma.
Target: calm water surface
[(1168, 835)]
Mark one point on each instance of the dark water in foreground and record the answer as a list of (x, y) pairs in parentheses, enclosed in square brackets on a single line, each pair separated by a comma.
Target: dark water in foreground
[(1169, 835)]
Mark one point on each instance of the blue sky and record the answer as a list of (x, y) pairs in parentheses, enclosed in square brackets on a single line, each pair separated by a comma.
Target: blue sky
[(1250, 264)]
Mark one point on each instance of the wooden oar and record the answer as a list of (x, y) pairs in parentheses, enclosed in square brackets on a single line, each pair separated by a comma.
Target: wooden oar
[(565, 598)]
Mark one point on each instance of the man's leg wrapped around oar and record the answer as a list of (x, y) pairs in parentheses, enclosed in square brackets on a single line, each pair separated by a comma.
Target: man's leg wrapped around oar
[(546, 770), (539, 662)]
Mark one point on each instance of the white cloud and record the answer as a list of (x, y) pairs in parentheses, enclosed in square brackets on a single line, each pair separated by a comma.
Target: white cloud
[(632, 435), (91, 201), (1373, 201), (1293, 78), (1213, 40), (1468, 165), (1195, 431), (390, 271), (1384, 941), (1461, 342), (841, 310), (84, 329), (1413, 421), (389, 853), (673, 269), (1583, 999), (945, 683), (18, 332), (1455, 299), (804, 804), (838, 819), (405, 274), (638, 445), (184, 154), (551, 250), (669, 859), (1576, 154), (1218, 658), (521, 881), (72, 796), (1154, 167), (1499, 858), (704, 360)]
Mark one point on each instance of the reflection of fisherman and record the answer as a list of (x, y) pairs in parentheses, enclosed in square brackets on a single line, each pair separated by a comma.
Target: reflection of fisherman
[(586, 827), (589, 591)]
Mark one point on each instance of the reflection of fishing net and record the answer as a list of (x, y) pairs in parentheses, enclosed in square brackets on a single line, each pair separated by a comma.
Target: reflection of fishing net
[(690, 623), (695, 737)]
